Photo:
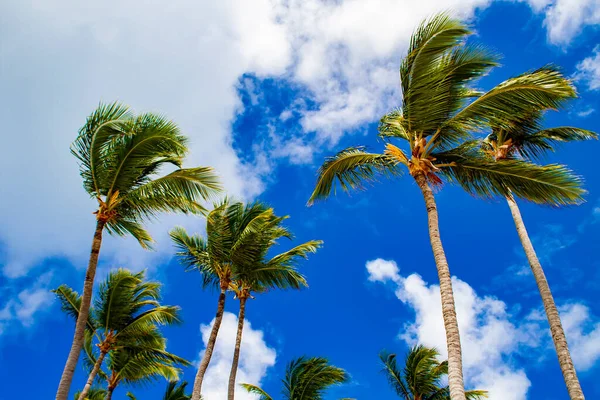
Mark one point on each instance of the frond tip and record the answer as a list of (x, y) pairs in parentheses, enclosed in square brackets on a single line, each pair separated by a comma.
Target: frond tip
[(352, 167)]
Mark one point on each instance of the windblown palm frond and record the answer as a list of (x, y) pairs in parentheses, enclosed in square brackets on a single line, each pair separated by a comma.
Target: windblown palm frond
[(95, 393), (253, 389), (484, 177), (421, 376), (176, 391), (70, 303), (352, 167), (305, 379)]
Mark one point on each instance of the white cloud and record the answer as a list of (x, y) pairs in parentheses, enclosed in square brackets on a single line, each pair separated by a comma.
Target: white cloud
[(586, 112), (21, 309), (581, 329), (255, 358), (588, 70), (490, 336), (565, 19), (381, 270)]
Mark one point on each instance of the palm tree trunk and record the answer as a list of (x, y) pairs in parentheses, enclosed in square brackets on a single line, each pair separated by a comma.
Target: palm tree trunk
[(92, 376), (109, 393), (67, 376), (558, 333), (236, 352), (197, 390), (455, 375)]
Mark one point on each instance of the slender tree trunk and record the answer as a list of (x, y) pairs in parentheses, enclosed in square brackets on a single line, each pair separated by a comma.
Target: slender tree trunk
[(109, 393), (67, 375), (558, 333), (455, 375), (236, 352), (92, 376), (197, 390)]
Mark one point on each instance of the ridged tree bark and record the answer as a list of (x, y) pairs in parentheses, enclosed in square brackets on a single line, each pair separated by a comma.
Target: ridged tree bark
[(197, 390), (556, 329), (455, 375), (236, 352), (92, 376), (67, 376)]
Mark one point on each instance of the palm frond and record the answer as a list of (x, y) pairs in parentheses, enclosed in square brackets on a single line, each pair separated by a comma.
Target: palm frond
[(483, 177), (545, 88), (309, 378), (534, 145), (253, 389), (70, 304), (394, 375), (352, 168)]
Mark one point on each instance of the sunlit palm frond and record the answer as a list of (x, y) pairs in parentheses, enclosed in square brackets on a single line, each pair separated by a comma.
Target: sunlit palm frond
[(533, 146), (484, 177), (105, 124), (70, 303), (95, 393), (253, 389), (545, 88), (309, 378), (395, 375), (352, 168), (176, 391)]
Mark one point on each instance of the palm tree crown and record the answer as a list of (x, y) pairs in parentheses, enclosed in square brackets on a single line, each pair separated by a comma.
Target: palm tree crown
[(305, 379), (421, 378), (439, 110), (120, 155)]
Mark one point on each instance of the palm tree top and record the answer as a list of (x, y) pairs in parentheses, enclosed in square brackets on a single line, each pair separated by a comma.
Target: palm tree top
[(306, 378), (234, 253), (439, 112), (120, 156), (421, 378)]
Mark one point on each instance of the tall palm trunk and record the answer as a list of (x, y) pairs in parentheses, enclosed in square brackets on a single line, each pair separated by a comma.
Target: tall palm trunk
[(109, 392), (92, 376), (236, 352), (558, 333), (196, 392), (67, 376), (455, 375)]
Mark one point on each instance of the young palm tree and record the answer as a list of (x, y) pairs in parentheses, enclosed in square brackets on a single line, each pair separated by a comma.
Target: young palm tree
[(176, 391), (120, 155), (438, 111), (125, 307), (141, 363), (263, 274), (227, 249), (422, 376), (524, 138), (93, 394), (305, 379)]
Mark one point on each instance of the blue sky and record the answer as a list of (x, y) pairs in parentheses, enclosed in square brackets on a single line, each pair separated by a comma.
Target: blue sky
[(265, 92)]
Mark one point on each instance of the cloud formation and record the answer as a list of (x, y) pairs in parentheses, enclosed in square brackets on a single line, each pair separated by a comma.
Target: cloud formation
[(588, 70), (255, 358), (490, 335)]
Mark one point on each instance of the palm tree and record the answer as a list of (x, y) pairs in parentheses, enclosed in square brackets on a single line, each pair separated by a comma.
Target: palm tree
[(93, 394), (140, 363), (524, 138), (176, 391), (305, 379), (228, 248), (262, 274), (120, 155), (126, 307), (438, 112), (422, 375)]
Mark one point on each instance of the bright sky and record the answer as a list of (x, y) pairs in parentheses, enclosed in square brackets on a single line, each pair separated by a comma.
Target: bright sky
[(266, 89)]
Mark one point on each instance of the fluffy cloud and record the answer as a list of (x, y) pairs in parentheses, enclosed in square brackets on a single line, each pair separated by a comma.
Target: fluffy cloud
[(255, 358), (565, 19), (588, 70), (582, 331), (489, 339), (22, 307)]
